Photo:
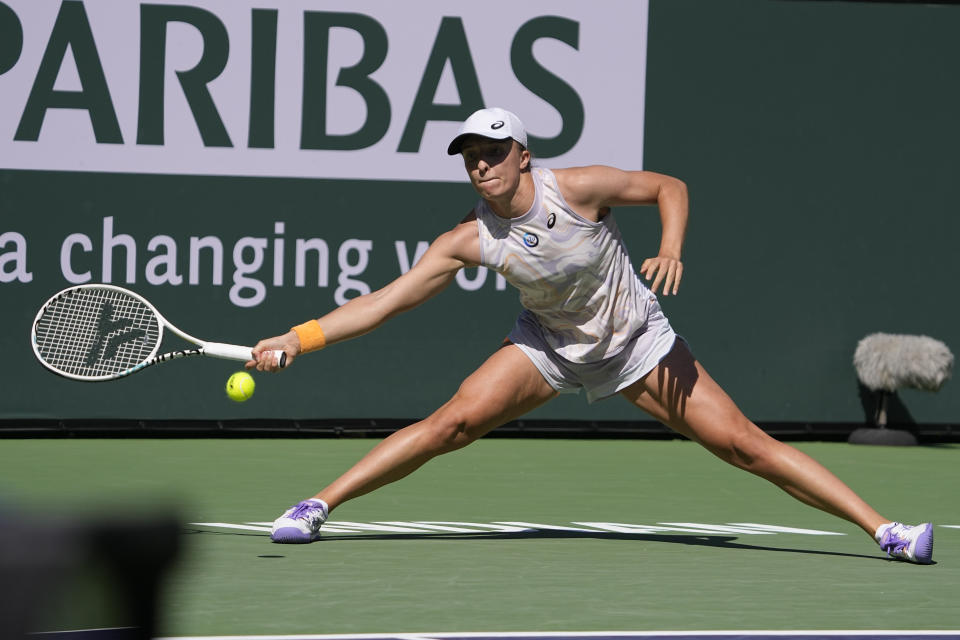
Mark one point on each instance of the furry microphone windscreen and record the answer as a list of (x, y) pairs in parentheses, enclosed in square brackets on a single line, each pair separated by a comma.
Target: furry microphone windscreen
[(887, 362)]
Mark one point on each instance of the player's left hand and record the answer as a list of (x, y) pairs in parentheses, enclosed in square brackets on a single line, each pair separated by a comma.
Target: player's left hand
[(663, 270)]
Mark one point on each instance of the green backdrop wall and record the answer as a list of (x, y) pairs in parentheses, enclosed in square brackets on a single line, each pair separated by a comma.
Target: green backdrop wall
[(819, 141)]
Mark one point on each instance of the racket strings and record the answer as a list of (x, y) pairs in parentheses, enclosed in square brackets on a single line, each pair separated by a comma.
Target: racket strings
[(96, 332)]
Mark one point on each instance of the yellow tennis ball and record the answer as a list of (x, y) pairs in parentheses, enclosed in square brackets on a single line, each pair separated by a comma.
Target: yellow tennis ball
[(240, 386)]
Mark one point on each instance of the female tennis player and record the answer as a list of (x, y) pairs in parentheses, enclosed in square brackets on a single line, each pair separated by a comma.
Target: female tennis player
[(589, 322)]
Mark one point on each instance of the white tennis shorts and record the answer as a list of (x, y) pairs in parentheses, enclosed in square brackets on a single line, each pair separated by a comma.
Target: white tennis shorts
[(603, 378)]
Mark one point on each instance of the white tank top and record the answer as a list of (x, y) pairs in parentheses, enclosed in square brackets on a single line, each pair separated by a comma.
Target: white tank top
[(574, 275)]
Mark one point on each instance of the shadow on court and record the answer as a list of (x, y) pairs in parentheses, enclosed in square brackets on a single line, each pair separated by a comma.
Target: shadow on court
[(721, 542)]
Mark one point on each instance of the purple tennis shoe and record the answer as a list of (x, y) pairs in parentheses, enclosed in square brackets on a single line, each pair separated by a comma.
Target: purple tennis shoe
[(300, 523), (913, 544)]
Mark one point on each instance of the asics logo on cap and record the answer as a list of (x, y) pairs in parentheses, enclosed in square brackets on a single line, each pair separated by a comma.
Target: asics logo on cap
[(497, 125)]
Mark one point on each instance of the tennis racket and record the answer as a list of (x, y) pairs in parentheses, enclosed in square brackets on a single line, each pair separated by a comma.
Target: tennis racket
[(98, 332)]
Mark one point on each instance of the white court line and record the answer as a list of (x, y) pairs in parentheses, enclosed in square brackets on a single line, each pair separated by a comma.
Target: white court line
[(226, 525), (532, 526), (480, 527), (440, 526), (328, 528), (386, 527), (43, 633), (776, 529), (694, 527), (585, 634), (431, 526)]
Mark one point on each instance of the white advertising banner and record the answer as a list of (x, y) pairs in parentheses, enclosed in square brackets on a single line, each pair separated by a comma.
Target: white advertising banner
[(337, 89)]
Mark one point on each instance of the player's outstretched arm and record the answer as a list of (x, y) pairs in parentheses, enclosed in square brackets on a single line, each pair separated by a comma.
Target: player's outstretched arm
[(591, 189), (429, 276)]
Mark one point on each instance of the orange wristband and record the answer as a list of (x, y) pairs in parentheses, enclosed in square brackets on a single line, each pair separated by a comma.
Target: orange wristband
[(311, 336)]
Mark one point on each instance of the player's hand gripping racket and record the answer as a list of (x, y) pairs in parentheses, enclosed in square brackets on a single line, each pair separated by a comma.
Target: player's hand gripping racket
[(103, 332)]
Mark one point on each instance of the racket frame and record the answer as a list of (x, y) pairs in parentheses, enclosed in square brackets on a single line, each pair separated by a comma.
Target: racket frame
[(204, 348)]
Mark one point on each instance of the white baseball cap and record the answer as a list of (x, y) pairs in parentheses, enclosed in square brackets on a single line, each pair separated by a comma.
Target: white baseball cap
[(495, 123)]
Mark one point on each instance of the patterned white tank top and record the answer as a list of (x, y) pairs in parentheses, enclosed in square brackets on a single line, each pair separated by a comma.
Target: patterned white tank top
[(574, 275)]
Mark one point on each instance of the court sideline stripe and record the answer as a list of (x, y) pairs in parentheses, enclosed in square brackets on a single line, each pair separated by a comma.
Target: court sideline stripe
[(873, 633)]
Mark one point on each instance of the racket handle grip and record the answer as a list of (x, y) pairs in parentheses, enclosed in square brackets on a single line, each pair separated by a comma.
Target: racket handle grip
[(227, 351), (236, 352)]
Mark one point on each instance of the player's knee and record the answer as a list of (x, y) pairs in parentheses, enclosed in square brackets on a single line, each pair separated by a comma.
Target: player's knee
[(452, 429), (747, 448)]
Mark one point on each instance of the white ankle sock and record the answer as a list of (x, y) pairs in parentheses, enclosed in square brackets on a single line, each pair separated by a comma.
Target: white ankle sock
[(326, 507)]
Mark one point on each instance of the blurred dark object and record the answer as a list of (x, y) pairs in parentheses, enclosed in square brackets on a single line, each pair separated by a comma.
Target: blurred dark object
[(41, 556)]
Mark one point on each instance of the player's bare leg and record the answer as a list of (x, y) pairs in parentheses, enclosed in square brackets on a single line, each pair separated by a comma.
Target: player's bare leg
[(505, 387), (681, 394)]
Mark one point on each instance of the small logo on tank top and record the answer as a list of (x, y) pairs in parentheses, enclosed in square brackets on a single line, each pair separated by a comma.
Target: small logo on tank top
[(531, 240), (551, 220)]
